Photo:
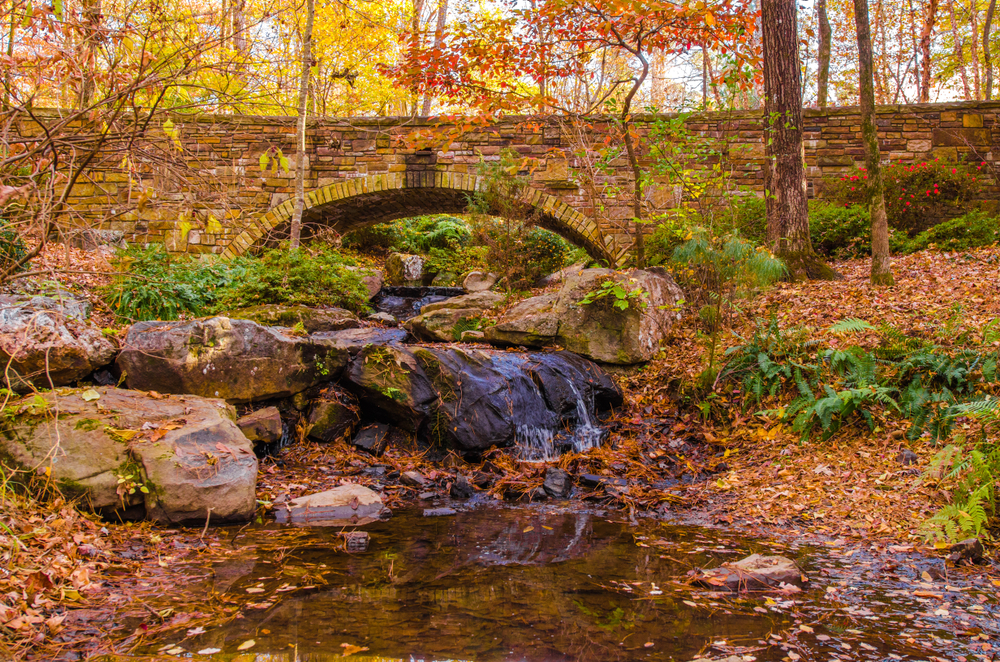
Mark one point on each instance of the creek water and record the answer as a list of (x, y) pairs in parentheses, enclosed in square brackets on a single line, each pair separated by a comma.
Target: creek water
[(553, 584)]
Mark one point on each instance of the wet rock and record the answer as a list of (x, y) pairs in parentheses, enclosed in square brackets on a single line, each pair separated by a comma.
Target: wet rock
[(373, 281), (592, 480), (558, 483), (46, 342), (445, 321), (413, 479), (444, 279), (333, 415), (479, 281), (237, 360), (404, 269), (439, 512), (356, 541), (462, 398), (907, 457), (313, 320), (971, 550), (537, 494), (263, 425), (383, 318), (341, 506), (754, 573), (373, 438), (598, 331), (473, 336), (461, 488), (186, 451)]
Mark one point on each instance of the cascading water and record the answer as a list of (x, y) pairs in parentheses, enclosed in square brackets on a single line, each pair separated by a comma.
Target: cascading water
[(540, 444)]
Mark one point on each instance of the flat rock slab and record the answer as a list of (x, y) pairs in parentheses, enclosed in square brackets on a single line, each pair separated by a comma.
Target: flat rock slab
[(263, 425), (755, 573), (342, 506), (312, 320)]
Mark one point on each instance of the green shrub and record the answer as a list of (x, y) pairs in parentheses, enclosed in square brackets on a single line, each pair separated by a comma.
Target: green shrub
[(917, 196), (313, 277), (749, 218), (382, 237), (410, 235), (12, 247), (545, 253), (840, 231), (153, 284), (671, 232), (971, 230)]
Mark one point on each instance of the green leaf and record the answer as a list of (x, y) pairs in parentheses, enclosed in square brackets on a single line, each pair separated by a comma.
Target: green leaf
[(57, 8), (263, 161), (29, 13)]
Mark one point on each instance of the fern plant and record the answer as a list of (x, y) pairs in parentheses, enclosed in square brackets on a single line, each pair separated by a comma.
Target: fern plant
[(973, 476)]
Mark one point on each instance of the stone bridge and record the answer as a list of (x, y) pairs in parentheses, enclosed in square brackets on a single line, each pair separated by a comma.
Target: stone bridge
[(204, 188)]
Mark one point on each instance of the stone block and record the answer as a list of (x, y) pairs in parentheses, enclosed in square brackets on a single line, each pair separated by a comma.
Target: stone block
[(972, 121)]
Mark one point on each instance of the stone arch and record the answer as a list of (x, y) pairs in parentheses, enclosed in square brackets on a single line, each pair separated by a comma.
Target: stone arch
[(360, 201)]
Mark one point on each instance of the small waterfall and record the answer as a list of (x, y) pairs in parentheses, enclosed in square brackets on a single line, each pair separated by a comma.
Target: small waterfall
[(537, 444)]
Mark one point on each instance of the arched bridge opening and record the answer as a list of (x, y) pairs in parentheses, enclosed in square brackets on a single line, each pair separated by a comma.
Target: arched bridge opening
[(361, 201)]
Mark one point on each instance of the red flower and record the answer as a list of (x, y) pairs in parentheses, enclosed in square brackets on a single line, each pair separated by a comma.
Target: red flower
[(954, 170), (907, 204)]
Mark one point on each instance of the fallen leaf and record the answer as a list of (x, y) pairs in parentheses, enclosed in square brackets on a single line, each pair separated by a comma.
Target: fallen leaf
[(90, 395), (249, 643), (351, 649)]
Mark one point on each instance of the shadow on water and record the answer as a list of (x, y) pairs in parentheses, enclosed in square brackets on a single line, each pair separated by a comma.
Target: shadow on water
[(490, 584)]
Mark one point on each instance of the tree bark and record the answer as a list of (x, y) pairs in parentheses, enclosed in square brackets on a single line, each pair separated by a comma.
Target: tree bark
[(881, 273), (300, 132), (633, 160), (976, 78), (925, 50), (784, 176), (418, 8), (959, 45), (442, 17), (825, 39), (987, 64), (91, 36)]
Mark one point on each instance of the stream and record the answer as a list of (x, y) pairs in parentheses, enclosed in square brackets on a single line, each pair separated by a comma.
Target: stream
[(548, 583)]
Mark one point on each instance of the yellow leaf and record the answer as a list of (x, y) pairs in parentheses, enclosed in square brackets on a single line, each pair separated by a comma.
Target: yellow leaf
[(90, 395), (710, 19), (530, 528), (351, 649), (249, 643), (185, 228)]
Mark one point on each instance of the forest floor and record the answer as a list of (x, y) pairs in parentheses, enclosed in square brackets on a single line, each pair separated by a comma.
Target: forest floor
[(66, 576)]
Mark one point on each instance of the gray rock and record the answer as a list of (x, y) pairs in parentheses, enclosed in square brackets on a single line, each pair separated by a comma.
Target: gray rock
[(404, 269), (46, 342), (263, 425), (90, 240), (598, 330), (439, 512), (473, 336), (755, 573), (559, 276), (354, 340), (186, 451), (413, 479), (907, 457), (237, 360), (478, 281), (558, 484), (373, 438), (333, 415), (480, 300), (373, 282), (342, 506), (461, 488), (313, 320)]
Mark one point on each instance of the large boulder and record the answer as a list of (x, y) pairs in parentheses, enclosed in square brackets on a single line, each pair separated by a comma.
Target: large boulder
[(472, 400), (237, 360), (557, 277), (313, 320), (598, 330), (46, 342), (404, 269), (445, 321), (179, 459)]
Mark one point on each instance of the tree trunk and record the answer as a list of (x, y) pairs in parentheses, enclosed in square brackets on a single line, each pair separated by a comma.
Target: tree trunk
[(925, 50), (959, 45), (633, 161), (442, 17), (881, 263), (784, 176), (825, 39), (300, 134), (987, 64), (418, 8), (974, 11), (91, 34)]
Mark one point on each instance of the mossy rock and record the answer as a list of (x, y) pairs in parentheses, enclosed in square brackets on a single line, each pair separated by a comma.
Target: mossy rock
[(311, 320)]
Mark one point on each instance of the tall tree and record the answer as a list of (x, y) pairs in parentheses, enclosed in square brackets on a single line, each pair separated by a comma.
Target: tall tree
[(300, 135), (442, 18), (825, 39), (987, 63), (881, 273), (784, 175), (926, 32)]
